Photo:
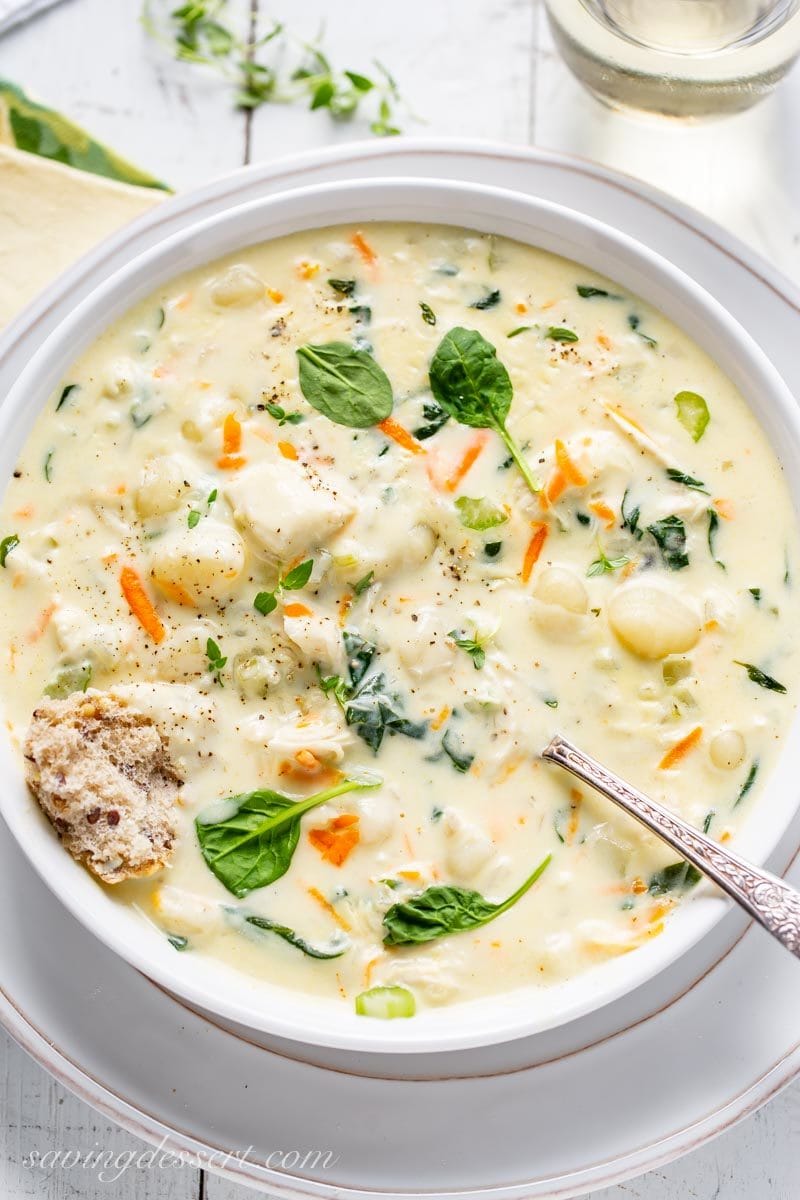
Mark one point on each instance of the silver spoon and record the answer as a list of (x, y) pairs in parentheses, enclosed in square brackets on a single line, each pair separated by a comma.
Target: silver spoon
[(773, 903)]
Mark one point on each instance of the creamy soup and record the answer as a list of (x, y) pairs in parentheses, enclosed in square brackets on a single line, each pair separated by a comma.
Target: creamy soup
[(363, 518)]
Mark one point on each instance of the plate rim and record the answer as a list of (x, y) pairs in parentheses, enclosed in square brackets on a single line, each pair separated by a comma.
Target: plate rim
[(79, 1080)]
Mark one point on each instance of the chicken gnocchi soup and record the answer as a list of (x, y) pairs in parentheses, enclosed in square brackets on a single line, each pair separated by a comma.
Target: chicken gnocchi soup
[(310, 555)]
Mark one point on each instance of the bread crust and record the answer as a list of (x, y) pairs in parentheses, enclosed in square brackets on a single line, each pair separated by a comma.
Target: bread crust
[(102, 773)]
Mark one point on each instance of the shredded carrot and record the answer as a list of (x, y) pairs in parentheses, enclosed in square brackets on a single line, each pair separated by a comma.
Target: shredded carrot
[(369, 968), (658, 911), (140, 603), (39, 630), (317, 895), (711, 625), (160, 371), (535, 545), (336, 840), (344, 608), (274, 295), (725, 509), (604, 511), (467, 461), (629, 568), (25, 511), (175, 592), (184, 301), (231, 462), (521, 308), (296, 609), (364, 249), (439, 720), (409, 876), (307, 270), (604, 340), (569, 469), (288, 450), (307, 760), (394, 430), (231, 435), (681, 749), (556, 486), (574, 818)]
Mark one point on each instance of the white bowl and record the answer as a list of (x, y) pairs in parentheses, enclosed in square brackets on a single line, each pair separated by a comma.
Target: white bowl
[(206, 982)]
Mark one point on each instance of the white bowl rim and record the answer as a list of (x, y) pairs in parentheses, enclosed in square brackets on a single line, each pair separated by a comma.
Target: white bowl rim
[(412, 200)]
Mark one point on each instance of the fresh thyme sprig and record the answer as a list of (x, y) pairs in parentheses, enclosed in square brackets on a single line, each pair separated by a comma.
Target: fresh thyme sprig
[(197, 32)]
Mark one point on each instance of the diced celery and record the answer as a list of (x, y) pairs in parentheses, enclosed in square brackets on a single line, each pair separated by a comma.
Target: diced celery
[(70, 679), (386, 1003)]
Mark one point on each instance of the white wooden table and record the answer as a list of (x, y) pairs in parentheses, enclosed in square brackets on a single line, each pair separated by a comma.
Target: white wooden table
[(472, 69)]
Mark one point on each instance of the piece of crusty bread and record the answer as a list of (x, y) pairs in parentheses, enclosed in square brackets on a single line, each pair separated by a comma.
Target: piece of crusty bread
[(102, 773)]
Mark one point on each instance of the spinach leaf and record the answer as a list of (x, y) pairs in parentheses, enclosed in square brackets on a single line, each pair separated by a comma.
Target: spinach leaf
[(368, 704), (756, 675), (435, 418), (453, 747), (253, 845), (519, 329), (479, 513), (472, 385), (587, 292), (670, 534), (344, 384), (687, 481), (360, 654), (376, 710), (630, 517), (294, 939), (428, 315), (492, 549), (345, 287), (557, 333), (491, 298), (634, 322), (444, 909), (748, 783), (178, 941), (676, 877), (8, 544), (693, 413), (756, 594), (713, 526), (65, 395)]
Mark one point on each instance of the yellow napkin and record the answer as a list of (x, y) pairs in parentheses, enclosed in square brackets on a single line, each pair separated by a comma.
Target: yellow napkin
[(51, 213)]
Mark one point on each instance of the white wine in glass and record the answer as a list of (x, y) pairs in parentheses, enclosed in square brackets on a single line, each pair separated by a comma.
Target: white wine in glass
[(677, 58)]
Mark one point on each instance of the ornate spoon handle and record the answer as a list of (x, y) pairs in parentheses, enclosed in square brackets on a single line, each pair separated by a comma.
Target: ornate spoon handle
[(773, 903)]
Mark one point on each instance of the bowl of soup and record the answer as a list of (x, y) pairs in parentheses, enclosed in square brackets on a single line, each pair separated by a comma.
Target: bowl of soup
[(319, 520)]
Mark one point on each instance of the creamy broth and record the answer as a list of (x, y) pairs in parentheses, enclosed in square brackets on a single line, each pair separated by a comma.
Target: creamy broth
[(453, 618)]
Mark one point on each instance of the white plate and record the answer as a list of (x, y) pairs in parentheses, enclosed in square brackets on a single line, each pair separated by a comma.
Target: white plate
[(608, 1096)]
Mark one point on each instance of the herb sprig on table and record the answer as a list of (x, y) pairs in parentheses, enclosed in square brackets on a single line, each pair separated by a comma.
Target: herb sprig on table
[(198, 32)]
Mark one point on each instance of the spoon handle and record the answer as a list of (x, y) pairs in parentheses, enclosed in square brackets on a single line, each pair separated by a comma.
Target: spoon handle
[(773, 903)]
